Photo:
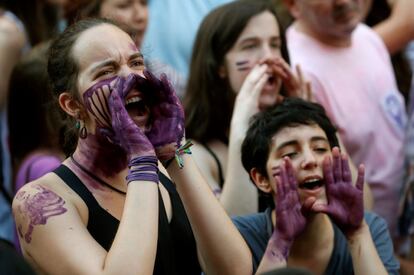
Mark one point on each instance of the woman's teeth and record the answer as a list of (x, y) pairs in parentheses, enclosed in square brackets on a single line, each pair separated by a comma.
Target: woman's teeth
[(132, 100)]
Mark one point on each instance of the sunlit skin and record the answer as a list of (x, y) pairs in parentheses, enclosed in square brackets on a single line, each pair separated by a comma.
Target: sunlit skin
[(306, 146), (132, 15)]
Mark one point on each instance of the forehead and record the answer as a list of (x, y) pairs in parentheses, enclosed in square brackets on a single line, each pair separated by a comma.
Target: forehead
[(101, 43), (261, 24), (301, 133)]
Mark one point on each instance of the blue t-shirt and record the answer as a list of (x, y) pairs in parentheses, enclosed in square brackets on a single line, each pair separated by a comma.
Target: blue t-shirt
[(172, 28), (256, 229)]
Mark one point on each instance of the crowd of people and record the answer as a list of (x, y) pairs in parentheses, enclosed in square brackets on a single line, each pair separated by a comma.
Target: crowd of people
[(222, 137)]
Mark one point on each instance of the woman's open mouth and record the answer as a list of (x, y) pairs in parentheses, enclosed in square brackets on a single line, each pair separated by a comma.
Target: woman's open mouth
[(137, 109), (312, 184)]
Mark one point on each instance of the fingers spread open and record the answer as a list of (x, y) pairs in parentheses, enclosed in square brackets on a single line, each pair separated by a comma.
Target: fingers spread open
[(361, 177), (346, 171), (337, 165)]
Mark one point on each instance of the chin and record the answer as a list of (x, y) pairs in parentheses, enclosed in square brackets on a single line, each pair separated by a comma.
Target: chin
[(267, 101)]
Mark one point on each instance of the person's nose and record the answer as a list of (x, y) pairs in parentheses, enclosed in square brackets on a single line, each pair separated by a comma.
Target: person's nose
[(308, 159), (125, 71), (267, 52)]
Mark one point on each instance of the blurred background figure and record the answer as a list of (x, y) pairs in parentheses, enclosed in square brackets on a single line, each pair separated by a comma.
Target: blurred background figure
[(238, 68), (35, 122), (23, 23), (172, 29)]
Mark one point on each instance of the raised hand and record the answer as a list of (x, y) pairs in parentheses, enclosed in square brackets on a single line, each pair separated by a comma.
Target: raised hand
[(126, 133), (345, 201), (295, 85), (96, 101), (290, 214), (167, 117), (247, 100)]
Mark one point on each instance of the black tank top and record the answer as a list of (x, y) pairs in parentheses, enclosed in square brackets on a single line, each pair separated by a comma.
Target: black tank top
[(176, 247)]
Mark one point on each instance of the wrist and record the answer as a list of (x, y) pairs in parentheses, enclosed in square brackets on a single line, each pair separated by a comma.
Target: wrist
[(282, 245), (143, 168), (358, 234)]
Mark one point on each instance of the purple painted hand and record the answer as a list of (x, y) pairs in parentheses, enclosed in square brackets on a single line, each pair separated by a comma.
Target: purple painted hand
[(167, 117), (125, 131), (345, 201), (290, 214)]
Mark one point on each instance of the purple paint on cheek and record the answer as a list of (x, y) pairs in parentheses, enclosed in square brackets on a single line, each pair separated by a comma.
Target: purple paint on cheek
[(243, 65), (96, 101), (39, 208), (240, 63)]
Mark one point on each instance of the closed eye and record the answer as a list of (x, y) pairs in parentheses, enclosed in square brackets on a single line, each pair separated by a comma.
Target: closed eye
[(290, 155), (136, 63), (104, 73)]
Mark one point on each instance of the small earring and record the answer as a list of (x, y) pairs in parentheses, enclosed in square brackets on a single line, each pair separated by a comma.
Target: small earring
[(80, 125)]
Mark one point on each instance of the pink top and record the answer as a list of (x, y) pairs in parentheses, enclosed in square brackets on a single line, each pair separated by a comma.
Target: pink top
[(357, 87)]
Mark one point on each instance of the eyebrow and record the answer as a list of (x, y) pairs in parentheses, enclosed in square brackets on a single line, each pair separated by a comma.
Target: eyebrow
[(135, 56), (295, 142), (254, 38), (112, 62)]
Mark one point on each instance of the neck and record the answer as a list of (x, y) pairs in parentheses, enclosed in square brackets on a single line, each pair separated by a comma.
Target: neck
[(337, 41), (97, 154)]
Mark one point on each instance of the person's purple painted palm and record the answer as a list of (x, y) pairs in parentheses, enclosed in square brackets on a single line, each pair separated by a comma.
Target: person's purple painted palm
[(167, 117), (290, 213), (127, 134), (345, 201)]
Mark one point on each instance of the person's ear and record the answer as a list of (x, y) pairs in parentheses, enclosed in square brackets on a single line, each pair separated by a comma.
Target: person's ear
[(222, 72), (261, 181), (70, 105), (293, 8)]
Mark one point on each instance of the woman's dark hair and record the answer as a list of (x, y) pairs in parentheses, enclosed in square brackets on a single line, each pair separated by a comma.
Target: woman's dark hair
[(264, 125), (40, 18), (209, 99), (63, 69), (76, 10), (33, 117)]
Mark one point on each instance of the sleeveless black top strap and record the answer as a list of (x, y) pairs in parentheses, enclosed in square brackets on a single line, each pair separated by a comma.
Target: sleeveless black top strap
[(219, 167), (176, 247)]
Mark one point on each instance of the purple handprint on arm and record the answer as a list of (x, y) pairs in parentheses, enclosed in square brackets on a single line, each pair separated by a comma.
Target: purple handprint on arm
[(345, 201)]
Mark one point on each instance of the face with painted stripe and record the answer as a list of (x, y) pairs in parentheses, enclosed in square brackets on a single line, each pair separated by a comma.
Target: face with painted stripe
[(105, 54)]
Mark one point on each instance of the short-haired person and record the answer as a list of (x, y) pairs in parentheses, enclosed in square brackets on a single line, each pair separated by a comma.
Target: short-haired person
[(291, 153), (108, 209)]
